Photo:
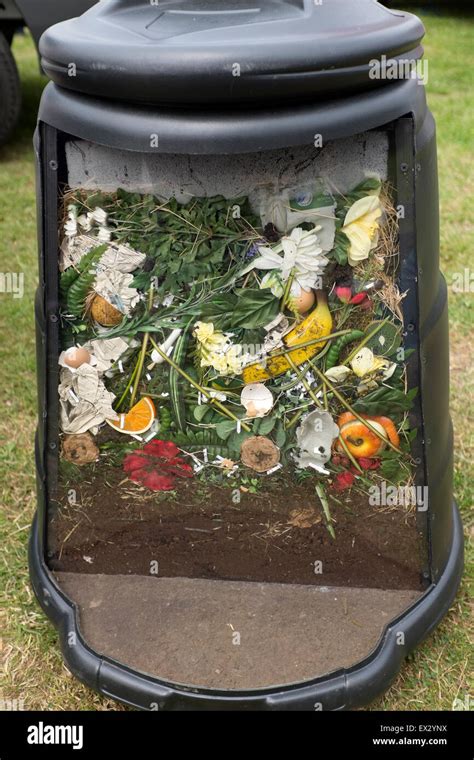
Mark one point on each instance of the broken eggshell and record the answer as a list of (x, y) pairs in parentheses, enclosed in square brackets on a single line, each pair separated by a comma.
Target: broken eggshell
[(257, 399), (74, 357), (315, 437)]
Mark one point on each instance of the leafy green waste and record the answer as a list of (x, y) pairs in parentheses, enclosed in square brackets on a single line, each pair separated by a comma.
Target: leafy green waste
[(378, 401)]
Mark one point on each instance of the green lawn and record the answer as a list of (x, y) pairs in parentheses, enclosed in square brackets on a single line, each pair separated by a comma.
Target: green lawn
[(438, 671)]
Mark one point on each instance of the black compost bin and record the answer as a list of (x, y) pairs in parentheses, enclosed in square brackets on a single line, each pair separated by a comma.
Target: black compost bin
[(244, 449)]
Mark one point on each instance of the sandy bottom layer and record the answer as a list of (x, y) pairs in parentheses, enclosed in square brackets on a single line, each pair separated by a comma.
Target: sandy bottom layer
[(228, 634)]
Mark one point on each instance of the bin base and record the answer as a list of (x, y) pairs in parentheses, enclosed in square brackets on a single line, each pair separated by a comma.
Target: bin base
[(226, 634), (163, 626)]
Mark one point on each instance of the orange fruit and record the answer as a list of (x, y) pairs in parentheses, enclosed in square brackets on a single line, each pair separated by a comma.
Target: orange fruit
[(360, 439), (390, 429), (138, 420)]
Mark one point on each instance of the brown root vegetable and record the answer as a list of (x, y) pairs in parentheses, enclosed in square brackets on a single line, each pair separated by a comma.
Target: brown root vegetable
[(80, 449), (104, 313), (259, 453)]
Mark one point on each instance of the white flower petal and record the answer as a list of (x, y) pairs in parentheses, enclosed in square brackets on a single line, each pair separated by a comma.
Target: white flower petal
[(359, 209), (338, 374)]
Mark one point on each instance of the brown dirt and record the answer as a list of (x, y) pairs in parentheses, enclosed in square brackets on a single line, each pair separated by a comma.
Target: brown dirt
[(117, 527)]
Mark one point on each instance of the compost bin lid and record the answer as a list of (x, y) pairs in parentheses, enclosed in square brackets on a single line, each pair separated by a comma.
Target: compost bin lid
[(227, 51)]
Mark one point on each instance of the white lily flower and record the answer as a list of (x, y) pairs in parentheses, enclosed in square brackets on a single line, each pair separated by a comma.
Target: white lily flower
[(361, 226), (302, 256)]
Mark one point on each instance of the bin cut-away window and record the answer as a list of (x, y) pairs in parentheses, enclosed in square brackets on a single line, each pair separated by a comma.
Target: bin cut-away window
[(234, 406)]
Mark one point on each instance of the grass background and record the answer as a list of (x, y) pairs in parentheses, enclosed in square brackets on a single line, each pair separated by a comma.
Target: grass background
[(438, 671)]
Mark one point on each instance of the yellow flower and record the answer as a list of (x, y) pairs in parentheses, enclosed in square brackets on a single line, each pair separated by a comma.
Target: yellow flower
[(361, 227), (216, 350), (204, 331), (234, 363)]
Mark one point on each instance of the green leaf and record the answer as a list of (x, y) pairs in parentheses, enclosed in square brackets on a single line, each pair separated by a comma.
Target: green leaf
[(225, 428), (280, 435), (266, 425), (200, 411), (235, 442), (341, 248), (387, 401), (219, 310), (175, 379), (255, 308), (141, 281), (391, 469)]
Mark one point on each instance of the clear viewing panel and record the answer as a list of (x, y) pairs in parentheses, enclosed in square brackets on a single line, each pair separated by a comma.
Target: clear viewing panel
[(233, 395)]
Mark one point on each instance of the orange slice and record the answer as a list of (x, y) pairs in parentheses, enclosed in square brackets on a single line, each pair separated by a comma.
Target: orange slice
[(138, 420)]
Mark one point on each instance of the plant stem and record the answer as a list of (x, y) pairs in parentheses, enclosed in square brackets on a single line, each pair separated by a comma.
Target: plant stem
[(325, 505), (124, 394), (350, 455), (286, 292), (139, 368), (294, 419), (365, 340), (198, 387), (141, 358)]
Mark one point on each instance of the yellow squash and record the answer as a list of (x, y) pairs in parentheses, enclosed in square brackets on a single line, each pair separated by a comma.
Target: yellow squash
[(315, 325)]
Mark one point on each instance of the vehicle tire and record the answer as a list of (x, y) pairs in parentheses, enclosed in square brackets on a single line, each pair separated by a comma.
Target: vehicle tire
[(10, 90)]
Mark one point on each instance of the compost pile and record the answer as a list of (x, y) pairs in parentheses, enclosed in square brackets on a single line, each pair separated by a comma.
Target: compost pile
[(235, 347)]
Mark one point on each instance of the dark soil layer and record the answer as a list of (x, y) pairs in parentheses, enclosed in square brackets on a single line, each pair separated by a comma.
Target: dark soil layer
[(116, 527)]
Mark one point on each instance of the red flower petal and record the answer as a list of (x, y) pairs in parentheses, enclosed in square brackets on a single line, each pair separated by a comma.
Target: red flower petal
[(156, 466), (369, 464), (343, 480), (165, 449), (340, 460), (343, 292), (135, 461), (157, 482), (359, 298), (138, 476), (178, 468)]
